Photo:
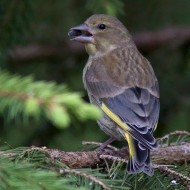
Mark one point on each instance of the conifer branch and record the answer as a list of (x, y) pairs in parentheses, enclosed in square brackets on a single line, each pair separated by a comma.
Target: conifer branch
[(20, 96), (163, 155), (23, 95)]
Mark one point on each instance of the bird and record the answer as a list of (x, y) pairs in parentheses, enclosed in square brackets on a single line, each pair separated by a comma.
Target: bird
[(122, 83)]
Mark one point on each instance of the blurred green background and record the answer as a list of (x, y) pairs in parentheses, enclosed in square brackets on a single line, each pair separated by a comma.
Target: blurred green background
[(33, 40)]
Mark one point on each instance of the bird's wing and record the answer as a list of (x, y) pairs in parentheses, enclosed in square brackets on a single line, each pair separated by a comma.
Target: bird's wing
[(134, 109)]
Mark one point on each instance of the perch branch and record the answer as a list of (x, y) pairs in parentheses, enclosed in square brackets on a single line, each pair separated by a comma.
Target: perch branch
[(163, 155)]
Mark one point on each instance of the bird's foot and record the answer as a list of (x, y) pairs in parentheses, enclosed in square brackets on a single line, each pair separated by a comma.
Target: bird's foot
[(105, 144)]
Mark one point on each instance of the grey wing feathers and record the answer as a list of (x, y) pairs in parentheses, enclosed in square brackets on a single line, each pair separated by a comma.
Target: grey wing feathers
[(104, 90), (137, 107), (140, 110)]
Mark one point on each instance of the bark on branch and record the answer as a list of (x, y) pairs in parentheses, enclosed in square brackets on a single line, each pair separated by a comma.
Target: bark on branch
[(145, 41), (163, 155)]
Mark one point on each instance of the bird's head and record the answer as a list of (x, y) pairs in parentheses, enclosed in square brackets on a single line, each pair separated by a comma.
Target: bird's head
[(100, 33)]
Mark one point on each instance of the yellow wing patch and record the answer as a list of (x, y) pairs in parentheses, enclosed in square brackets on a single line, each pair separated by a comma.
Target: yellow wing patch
[(114, 117), (132, 151), (122, 125), (155, 127)]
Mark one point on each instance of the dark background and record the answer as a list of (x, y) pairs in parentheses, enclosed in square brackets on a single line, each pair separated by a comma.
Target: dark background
[(33, 40)]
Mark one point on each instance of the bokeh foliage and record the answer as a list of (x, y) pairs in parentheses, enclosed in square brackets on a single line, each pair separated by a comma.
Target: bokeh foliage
[(32, 24)]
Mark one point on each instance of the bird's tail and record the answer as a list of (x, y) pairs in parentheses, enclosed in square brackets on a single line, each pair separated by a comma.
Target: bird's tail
[(139, 158)]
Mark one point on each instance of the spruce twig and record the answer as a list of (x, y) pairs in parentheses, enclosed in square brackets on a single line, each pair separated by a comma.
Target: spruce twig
[(175, 133), (85, 175), (178, 176), (98, 144)]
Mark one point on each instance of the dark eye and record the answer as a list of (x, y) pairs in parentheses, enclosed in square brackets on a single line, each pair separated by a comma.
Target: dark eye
[(101, 26)]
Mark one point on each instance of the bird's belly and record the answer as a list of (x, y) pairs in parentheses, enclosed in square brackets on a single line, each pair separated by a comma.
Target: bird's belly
[(111, 128)]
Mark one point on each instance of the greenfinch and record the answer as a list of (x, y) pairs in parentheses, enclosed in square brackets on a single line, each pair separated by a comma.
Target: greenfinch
[(122, 83)]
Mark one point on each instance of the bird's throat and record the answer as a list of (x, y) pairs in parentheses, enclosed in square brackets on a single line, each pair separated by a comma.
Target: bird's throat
[(91, 49), (95, 49)]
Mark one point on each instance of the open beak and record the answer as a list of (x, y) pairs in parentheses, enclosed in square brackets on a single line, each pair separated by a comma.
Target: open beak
[(81, 33)]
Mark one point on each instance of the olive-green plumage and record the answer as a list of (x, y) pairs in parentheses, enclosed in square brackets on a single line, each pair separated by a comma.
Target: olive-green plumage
[(122, 83)]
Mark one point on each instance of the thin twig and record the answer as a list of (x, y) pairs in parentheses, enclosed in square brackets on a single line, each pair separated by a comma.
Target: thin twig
[(19, 95), (98, 144), (174, 134), (92, 178), (176, 175), (113, 158)]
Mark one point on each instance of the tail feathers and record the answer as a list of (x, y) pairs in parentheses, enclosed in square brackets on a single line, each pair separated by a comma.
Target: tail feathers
[(147, 140), (140, 161), (148, 169)]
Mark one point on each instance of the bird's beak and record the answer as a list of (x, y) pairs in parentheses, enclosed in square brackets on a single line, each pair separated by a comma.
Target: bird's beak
[(81, 33)]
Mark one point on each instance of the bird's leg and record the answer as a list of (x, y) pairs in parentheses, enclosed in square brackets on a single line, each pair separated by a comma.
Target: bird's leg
[(106, 143)]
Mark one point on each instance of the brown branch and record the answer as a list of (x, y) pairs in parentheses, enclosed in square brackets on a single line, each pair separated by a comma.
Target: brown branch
[(163, 155), (149, 41), (34, 51), (146, 42)]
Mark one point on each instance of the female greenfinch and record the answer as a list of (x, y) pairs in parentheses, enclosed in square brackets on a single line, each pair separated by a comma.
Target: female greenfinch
[(122, 83)]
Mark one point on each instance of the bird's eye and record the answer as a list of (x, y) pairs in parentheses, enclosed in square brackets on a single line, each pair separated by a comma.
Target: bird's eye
[(101, 26)]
